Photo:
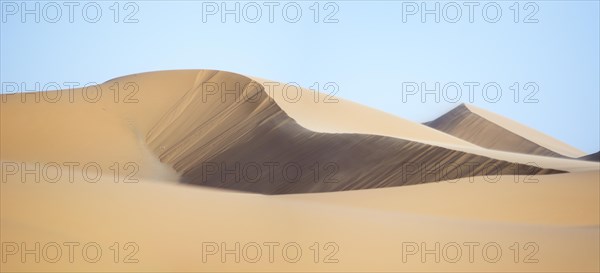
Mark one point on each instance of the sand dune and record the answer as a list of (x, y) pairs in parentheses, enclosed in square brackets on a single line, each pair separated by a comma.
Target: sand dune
[(490, 130), (243, 140), (220, 129), (348, 117), (592, 157)]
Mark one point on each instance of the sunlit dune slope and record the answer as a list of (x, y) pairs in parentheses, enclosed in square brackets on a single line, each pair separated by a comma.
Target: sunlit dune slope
[(100, 124)]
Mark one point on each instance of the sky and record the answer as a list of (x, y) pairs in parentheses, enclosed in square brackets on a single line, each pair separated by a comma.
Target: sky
[(535, 62)]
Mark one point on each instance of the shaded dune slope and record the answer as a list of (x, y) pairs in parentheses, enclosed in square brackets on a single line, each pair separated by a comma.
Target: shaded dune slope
[(227, 132), (592, 157), (480, 127)]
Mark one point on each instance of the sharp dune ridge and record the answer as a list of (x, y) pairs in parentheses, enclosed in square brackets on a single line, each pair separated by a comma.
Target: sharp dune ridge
[(491, 131)]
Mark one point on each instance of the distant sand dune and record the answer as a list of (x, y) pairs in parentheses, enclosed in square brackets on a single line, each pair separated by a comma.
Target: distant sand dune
[(592, 157), (492, 131)]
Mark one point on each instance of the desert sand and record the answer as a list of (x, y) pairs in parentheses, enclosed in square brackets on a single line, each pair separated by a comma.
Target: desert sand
[(384, 194)]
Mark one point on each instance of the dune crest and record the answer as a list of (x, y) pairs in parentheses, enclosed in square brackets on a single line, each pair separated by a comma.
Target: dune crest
[(493, 131), (228, 132)]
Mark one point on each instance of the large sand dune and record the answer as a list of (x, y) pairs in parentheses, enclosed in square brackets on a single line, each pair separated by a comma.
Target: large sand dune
[(247, 132), (204, 123), (218, 129)]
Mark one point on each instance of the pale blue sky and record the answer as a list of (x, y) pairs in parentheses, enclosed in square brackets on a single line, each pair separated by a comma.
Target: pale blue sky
[(369, 53)]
